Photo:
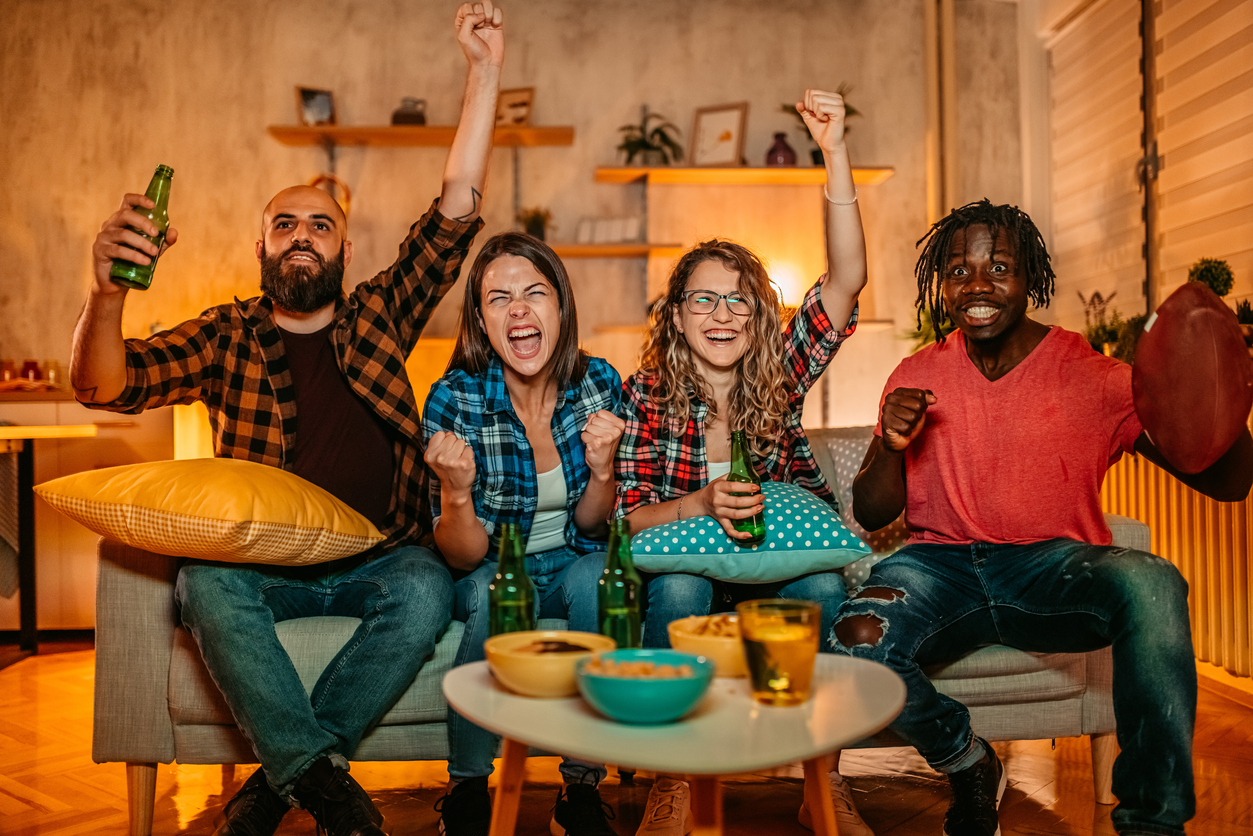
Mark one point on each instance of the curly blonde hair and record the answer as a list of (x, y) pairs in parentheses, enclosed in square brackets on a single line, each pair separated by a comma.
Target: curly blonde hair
[(759, 401)]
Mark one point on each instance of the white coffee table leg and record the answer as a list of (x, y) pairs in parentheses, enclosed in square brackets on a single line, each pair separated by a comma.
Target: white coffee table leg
[(509, 791), (818, 796), (706, 805)]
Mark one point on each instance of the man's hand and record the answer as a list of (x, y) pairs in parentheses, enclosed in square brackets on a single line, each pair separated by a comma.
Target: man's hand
[(480, 34), (904, 414), (453, 462), (823, 113), (600, 442), (718, 500), (117, 239)]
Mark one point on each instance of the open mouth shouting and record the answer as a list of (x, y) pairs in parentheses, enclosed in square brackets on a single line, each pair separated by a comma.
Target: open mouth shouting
[(525, 341)]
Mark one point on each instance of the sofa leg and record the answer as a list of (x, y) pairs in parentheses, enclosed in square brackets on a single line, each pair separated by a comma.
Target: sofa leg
[(1104, 750), (141, 792)]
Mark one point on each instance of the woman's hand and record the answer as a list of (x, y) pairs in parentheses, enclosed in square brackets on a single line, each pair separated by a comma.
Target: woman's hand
[(480, 33), (727, 502), (823, 113), (600, 442), (452, 460)]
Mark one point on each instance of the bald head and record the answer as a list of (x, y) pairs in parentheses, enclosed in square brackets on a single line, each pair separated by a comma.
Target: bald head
[(304, 202)]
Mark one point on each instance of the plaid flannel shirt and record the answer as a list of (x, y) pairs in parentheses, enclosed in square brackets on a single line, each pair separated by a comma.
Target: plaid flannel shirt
[(655, 465), (477, 409), (232, 358)]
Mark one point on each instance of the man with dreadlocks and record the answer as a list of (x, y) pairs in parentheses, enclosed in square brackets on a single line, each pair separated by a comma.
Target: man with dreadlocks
[(995, 441)]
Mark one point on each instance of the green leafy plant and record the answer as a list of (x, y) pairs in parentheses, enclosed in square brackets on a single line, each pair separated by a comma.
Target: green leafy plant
[(653, 141), (535, 221), (1244, 312), (924, 335), (1128, 336), (1099, 329), (1214, 273)]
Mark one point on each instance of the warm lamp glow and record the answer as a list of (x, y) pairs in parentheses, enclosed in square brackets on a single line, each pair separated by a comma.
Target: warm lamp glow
[(789, 281)]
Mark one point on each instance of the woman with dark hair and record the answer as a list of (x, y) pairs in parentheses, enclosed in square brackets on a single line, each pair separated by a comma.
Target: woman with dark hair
[(717, 359), (521, 429)]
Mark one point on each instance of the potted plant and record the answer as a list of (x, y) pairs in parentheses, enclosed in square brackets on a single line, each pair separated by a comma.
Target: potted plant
[(815, 153), (655, 145), (1214, 273), (1101, 334), (535, 221)]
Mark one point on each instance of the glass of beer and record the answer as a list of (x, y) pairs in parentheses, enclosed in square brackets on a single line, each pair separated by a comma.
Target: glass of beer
[(780, 642)]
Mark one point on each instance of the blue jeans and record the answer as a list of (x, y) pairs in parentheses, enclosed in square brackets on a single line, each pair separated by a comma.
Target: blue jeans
[(676, 595), (565, 587), (404, 600), (931, 603)]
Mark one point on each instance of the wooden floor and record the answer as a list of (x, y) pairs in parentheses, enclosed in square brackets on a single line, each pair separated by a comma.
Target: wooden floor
[(48, 784)]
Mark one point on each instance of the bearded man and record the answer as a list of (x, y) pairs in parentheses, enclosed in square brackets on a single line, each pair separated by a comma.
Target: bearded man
[(313, 381)]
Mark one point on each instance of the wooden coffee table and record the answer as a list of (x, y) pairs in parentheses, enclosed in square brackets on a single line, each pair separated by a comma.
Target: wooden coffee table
[(728, 733)]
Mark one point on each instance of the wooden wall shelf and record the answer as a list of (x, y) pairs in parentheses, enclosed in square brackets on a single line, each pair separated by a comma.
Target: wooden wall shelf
[(414, 135), (739, 176), (629, 250)]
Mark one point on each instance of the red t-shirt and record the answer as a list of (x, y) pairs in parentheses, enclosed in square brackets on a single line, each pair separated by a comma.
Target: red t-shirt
[(1020, 459)]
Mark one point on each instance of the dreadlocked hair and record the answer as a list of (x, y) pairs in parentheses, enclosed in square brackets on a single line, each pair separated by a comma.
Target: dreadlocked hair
[(759, 400), (1024, 239)]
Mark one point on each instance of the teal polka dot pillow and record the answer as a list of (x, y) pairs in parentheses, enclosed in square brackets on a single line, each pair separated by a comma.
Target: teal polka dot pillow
[(803, 535)]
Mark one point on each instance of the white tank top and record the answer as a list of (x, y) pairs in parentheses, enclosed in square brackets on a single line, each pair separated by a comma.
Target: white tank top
[(548, 528), (717, 469)]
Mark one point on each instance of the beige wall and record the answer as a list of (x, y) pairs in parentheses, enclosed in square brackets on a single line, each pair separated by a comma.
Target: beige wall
[(94, 95)]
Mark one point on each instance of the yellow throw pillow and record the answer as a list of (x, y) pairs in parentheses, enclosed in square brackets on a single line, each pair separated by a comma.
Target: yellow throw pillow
[(215, 509)]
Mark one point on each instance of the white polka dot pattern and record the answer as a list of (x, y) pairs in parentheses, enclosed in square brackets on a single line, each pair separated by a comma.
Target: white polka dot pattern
[(847, 454), (803, 535)]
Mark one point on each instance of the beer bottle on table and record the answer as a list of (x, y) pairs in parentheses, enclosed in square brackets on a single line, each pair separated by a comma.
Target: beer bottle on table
[(511, 596), (139, 276), (618, 591), (742, 470)]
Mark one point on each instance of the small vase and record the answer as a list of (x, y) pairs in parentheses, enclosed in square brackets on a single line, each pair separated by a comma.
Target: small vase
[(535, 228), (653, 158), (780, 153), (815, 155), (411, 112)]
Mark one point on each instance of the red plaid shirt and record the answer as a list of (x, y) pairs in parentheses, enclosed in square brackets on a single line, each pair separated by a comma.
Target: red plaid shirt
[(654, 465), (232, 358)]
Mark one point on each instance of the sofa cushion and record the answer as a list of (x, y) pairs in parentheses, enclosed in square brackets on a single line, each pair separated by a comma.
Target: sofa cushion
[(999, 675)]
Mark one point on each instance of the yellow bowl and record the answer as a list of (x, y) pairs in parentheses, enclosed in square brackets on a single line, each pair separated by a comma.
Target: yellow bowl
[(726, 652), (541, 674)]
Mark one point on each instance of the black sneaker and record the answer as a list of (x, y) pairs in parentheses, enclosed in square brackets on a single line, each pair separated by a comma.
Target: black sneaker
[(977, 792), (467, 809), (337, 803), (256, 810), (580, 812)]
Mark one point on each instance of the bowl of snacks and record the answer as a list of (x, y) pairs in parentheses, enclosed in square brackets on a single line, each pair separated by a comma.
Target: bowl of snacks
[(644, 686), (716, 637), (540, 663)]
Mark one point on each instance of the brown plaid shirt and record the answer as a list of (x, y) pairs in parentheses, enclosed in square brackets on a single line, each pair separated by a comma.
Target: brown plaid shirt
[(232, 358)]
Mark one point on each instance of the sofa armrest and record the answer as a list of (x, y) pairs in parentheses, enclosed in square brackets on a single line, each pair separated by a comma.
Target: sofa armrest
[(1129, 533), (135, 623)]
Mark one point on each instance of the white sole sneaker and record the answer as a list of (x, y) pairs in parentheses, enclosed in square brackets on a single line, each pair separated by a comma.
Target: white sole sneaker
[(847, 818), (669, 809)]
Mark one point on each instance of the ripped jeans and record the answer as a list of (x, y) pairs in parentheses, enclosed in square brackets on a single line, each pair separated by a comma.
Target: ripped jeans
[(928, 604)]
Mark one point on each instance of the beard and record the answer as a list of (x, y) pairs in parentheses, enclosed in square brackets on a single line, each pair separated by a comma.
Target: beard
[(302, 288)]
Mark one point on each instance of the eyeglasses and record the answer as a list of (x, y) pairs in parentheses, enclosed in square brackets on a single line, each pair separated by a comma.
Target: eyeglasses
[(706, 302)]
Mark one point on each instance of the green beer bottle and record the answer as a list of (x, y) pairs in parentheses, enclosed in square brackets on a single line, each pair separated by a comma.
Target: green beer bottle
[(139, 276), (742, 470), (618, 590), (511, 596)]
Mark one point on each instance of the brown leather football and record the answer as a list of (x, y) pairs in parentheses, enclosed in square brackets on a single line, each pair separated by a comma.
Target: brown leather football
[(1192, 380)]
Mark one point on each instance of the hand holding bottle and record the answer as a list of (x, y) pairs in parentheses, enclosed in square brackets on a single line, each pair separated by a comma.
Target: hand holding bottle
[(727, 502), (134, 236)]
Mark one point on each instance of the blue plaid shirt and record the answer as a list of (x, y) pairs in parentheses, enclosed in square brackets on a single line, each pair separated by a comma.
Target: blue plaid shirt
[(478, 411)]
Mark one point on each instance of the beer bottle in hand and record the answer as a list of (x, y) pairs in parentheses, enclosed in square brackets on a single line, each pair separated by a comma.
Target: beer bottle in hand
[(618, 590), (511, 596), (139, 276), (742, 470)]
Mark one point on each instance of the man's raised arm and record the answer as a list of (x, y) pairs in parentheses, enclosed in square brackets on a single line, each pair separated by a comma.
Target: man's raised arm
[(98, 356), (482, 38)]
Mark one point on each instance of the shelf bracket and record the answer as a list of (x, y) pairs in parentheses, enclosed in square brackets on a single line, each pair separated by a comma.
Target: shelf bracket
[(328, 145)]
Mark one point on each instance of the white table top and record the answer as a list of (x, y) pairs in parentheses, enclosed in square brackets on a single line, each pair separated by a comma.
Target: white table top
[(727, 733)]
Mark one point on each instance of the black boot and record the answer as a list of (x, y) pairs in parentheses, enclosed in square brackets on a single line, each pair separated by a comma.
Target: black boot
[(466, 810), (337, 802), (977, 793), (256, 810)]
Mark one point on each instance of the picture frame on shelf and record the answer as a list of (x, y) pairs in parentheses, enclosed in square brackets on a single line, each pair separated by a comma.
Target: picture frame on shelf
[(315, 107), (513, 107), (717, 137)]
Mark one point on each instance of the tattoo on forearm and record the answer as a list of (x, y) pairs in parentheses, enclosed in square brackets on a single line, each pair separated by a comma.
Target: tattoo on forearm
[(476, 197)]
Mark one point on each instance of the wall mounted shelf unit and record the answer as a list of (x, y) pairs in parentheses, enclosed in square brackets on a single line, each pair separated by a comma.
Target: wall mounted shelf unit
[(737, 176)]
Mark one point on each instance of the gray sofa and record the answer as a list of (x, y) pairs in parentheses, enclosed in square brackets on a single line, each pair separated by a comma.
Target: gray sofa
[(155, 702)]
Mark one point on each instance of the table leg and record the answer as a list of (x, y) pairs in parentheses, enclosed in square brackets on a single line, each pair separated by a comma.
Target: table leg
[(509, 791), (706, 805), (28, 639), (818, 796)]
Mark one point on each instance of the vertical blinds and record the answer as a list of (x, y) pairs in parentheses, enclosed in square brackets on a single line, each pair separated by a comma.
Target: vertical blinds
[(1096, 123), (1204, 84)]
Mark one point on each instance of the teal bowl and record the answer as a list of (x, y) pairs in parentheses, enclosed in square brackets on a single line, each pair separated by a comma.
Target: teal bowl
[(645, 700)]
